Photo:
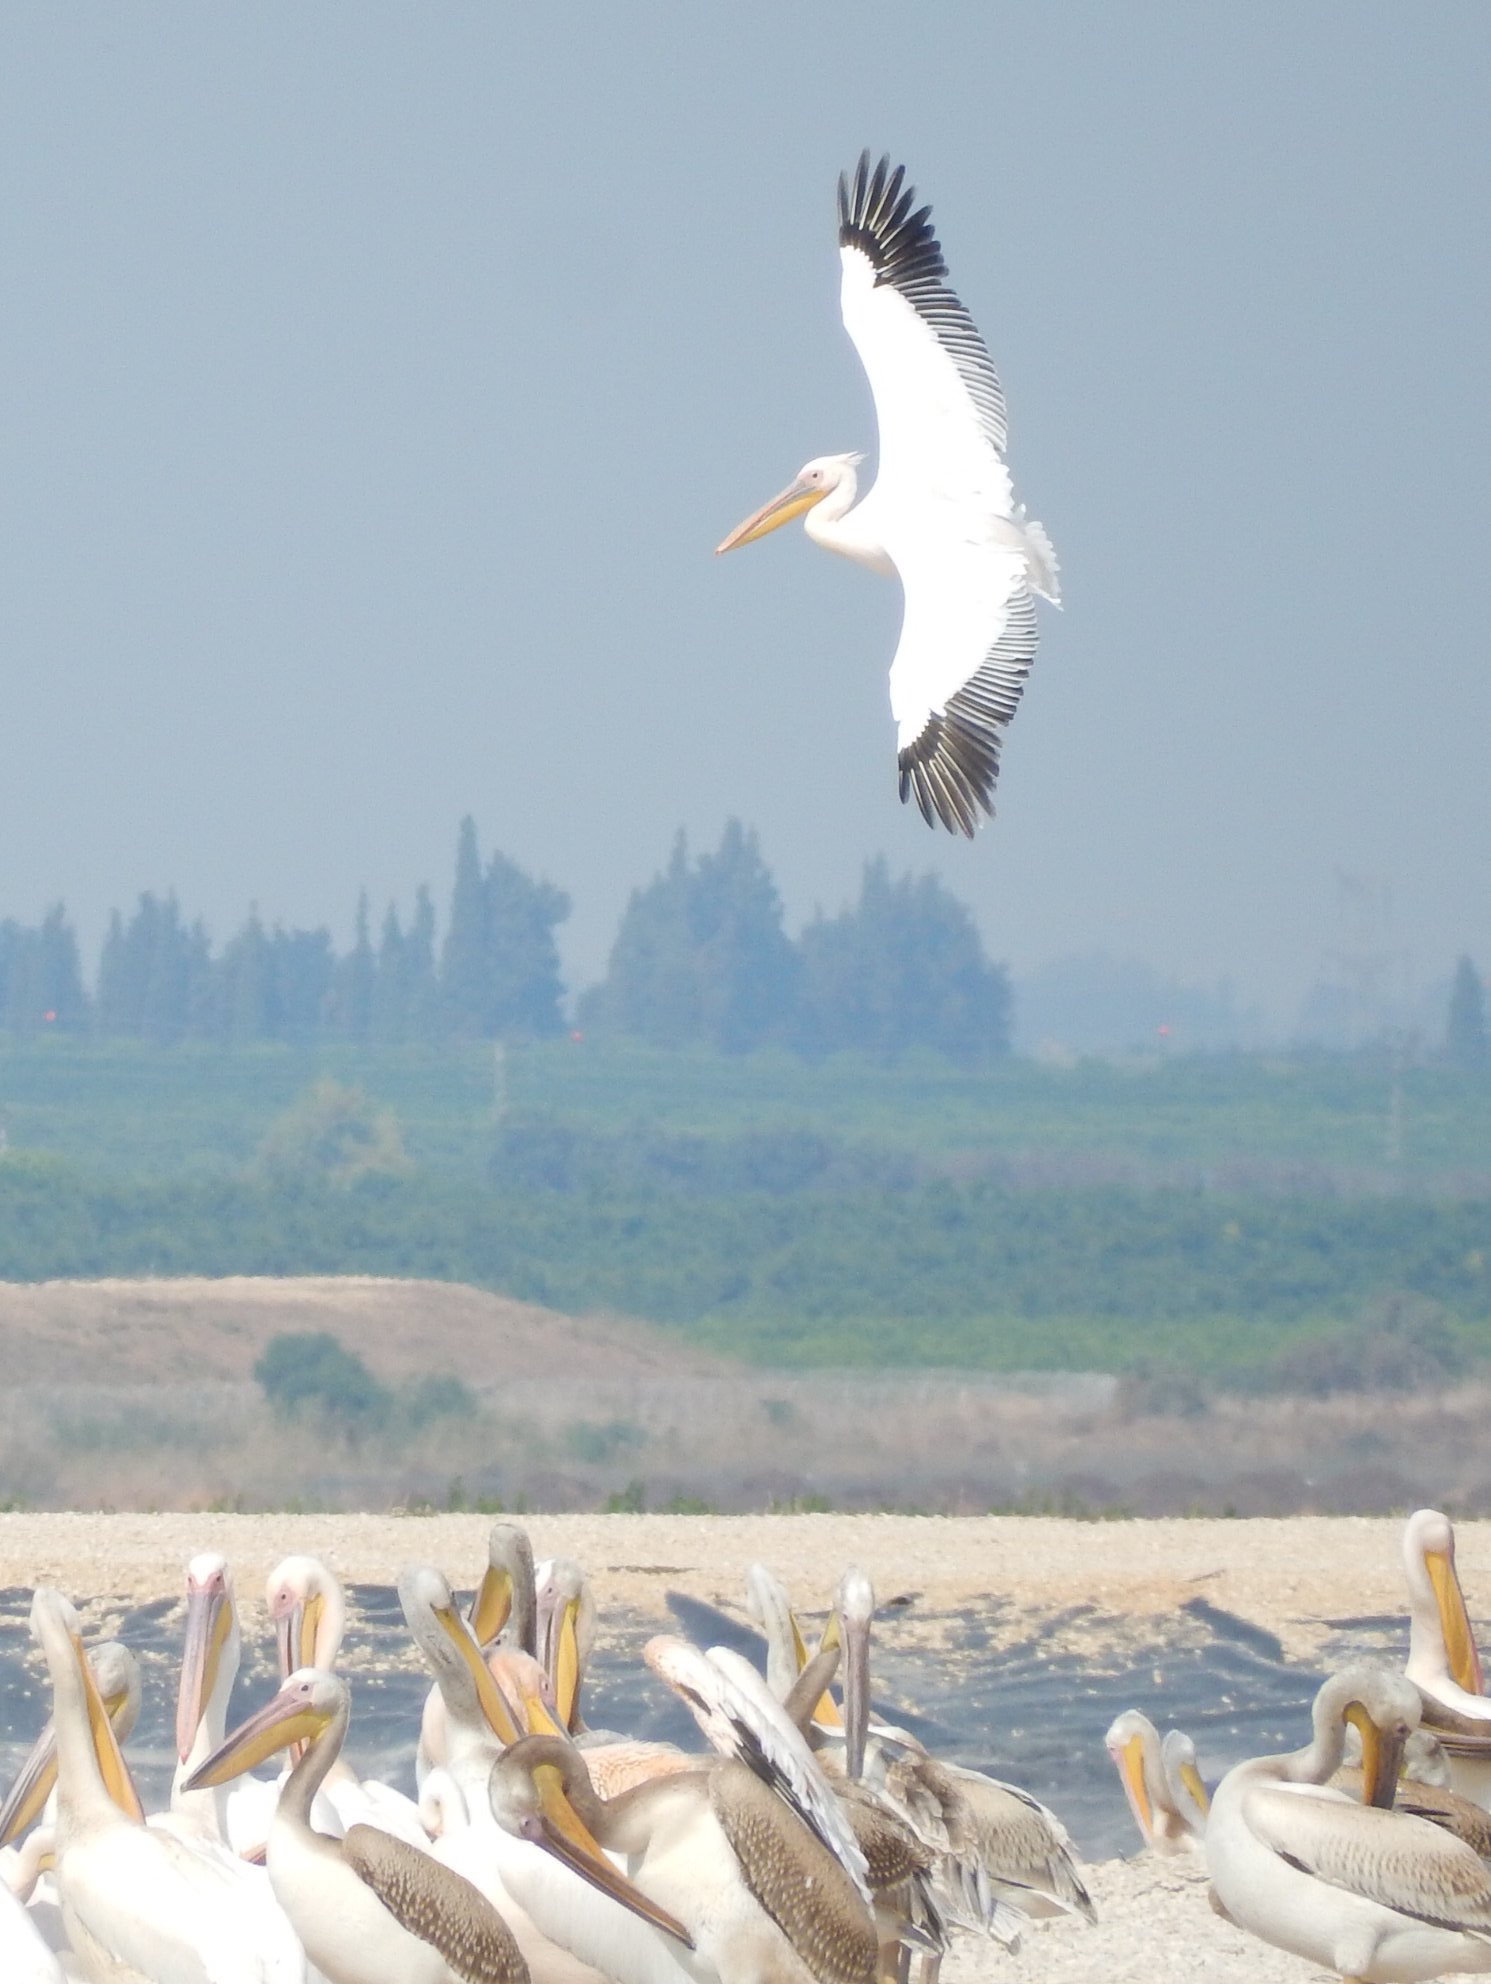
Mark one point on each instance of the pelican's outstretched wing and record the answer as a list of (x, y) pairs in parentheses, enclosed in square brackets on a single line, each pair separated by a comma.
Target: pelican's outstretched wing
[(937, 395), (967, 641)]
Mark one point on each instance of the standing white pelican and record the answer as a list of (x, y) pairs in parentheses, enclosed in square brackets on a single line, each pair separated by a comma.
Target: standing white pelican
[(370, 1909), (139, 1905), (1367, 1892), (556, 1916), (942, 514), (750, 1851), (308, 1608), (116, 1677), (1161, 1782), (1444, 1663)]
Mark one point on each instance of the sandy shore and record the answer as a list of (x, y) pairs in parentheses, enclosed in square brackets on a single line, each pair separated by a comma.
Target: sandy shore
[(1290, 1577)]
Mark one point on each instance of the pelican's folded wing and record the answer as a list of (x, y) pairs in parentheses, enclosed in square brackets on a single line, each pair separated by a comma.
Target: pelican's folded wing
[(1400, 1862)]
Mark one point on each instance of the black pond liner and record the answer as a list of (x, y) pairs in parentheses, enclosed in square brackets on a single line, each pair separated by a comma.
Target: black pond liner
[(1026, 1711)]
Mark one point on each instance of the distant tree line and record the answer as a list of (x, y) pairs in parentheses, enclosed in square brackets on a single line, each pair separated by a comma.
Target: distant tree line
[(701, 958)]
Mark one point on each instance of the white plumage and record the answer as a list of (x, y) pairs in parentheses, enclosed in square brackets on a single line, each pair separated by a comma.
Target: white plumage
[(941, 514)]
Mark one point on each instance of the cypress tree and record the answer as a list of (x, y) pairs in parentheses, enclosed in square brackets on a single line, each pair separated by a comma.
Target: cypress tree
[(463, 960), (421, 986), (390, 1016), (1466, 1042), (356, 975)]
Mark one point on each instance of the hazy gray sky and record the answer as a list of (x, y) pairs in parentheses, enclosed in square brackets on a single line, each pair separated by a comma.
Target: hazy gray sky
[(376, 381)]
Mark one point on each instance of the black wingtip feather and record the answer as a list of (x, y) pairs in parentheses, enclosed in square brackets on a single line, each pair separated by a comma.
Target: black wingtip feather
[(950, 771), (875, 216)]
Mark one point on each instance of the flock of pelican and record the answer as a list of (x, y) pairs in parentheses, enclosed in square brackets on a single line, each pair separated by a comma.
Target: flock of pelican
[(1378, 1870), (808, 1842)]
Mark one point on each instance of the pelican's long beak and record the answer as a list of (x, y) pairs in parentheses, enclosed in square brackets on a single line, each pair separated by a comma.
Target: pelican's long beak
[(1382, 1754), (37, 1775), (295, 1633), (855, 1639), (566, 1662), (794, 499), (492, 1606), (285, 1720), (566, 1836), (1195, 1783), (493, 1702), (1454, 1622), (209, 1620), (31, 1789), (1129, 1759), (826, 1714), (112, 1767)]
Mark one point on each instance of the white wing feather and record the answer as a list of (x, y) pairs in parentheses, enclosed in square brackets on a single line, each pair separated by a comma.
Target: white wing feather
[(742, 1718)]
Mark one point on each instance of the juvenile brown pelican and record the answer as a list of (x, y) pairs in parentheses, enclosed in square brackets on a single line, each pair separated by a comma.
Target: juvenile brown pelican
[(1362, 1890), (1001, 1849)]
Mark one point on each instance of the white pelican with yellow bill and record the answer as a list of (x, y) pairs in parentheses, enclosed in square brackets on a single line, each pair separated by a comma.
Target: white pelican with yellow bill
[(941, 515), (1444, 1662), (139, 1905), (1358, 1888), (369, 1908)]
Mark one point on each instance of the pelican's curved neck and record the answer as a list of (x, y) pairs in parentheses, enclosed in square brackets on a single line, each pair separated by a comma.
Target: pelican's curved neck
[(83, 1796), (311, 1772), (837, 525)]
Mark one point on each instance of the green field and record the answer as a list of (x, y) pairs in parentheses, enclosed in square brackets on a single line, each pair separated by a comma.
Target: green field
[(1204, 1215), (125, 1110)]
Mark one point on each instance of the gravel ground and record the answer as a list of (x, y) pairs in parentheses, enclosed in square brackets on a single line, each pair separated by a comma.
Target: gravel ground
[(1292, 1577)]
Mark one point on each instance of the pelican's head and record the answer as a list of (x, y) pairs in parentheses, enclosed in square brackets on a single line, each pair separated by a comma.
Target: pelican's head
[(824, 476), (1133, 1743), (1384, 1709), (1440, 1633), (305, 1607), (308, 1703), (451, 1653)]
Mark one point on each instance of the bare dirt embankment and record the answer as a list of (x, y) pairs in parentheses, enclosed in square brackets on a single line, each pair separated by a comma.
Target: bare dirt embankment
[(197, 1330), (140, 1394)]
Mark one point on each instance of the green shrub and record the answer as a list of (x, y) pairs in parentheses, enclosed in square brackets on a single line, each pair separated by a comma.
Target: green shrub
[(304, 1370)]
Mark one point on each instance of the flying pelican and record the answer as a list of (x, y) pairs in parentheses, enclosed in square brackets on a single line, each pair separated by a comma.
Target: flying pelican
[(754, 1857), (139, 1905), (1443, 1660), (1161, 1782), (1368, 1892), (942, 513), (369, 1908)]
